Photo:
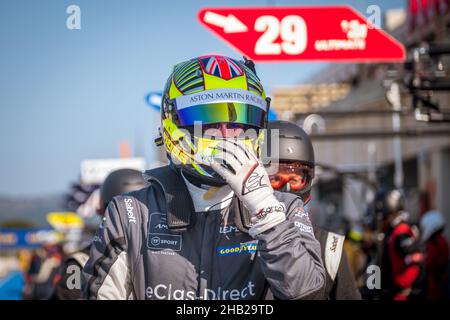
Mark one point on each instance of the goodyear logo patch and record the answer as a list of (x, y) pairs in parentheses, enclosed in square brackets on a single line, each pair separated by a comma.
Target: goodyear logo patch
[(247, 247)]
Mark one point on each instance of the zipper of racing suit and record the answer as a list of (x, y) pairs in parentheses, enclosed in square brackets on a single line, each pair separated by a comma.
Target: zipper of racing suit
[(200, 287)]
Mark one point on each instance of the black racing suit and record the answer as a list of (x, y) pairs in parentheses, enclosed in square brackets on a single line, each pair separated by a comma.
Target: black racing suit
[(135, 255)]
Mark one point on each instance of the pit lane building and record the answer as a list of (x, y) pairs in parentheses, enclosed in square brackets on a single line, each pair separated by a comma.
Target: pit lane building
[(361, 142)]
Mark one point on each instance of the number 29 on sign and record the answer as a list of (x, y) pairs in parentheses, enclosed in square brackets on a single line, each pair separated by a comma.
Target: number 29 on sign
[(291, 29)]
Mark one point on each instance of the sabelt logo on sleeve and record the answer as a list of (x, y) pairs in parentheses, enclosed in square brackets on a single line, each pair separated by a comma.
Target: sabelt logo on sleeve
[(130, 210)]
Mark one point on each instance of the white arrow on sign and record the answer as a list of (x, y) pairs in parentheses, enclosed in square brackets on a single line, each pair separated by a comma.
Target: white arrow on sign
[(230, 23)]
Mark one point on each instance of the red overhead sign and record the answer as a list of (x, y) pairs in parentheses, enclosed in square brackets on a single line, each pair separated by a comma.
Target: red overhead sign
[(332, 33)]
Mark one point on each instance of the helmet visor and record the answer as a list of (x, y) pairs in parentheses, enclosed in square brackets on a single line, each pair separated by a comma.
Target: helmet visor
[(296, 177), (222, 112)]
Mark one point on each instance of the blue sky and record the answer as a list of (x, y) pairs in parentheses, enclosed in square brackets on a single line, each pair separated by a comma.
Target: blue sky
[(68, 95)]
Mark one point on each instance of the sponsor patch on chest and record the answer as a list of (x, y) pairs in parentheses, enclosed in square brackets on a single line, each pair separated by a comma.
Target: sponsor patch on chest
[(239, 248), (159, 236)]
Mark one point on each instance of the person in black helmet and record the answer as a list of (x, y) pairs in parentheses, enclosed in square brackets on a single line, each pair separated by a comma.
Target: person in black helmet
[(116, 183), (402, 258), (120, 182), (292, 154)]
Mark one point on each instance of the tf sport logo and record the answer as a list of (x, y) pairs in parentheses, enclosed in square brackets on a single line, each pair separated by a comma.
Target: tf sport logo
[(159, 235), (156, 241), (164, 242)]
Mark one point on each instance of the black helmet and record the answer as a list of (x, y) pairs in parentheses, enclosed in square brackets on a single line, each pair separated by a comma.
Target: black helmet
[(295, 158), (119, 182), (388, 202)]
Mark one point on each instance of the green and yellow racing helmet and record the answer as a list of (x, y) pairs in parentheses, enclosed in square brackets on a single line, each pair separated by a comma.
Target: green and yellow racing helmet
[(205, 91)]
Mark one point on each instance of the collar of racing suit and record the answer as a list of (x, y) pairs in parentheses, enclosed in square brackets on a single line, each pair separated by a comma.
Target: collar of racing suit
[(207, 198)]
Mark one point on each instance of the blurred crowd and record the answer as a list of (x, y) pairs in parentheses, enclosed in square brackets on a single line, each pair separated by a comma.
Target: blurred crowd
[(390, 256), (413, 256)]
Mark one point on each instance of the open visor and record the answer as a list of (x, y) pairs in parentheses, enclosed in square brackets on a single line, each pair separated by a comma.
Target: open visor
[(222, 112), (294, 178)]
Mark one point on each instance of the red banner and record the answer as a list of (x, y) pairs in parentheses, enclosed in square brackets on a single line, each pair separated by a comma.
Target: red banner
[(332, 33)]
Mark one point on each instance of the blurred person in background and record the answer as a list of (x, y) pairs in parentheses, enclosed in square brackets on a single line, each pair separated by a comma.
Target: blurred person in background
[(37, 256), (355, 240), (44, 271), (371, 243), (24, 258), (183, 237), (402, 258), (116, 183), (295, 174), (432, 225)]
